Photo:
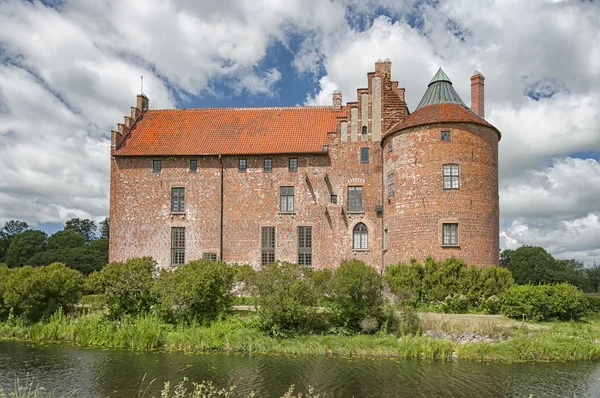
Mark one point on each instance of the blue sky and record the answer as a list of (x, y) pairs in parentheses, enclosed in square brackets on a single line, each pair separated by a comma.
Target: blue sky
[(69, 71)]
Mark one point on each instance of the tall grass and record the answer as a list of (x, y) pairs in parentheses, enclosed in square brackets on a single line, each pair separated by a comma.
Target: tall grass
[(27, 389), (528, 342)]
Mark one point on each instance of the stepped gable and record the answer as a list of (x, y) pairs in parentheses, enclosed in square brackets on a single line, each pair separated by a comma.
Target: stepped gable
[(230, 131), (440, 104)]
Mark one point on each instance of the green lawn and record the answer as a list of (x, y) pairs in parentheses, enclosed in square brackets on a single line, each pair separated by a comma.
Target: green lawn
[(3, 265)]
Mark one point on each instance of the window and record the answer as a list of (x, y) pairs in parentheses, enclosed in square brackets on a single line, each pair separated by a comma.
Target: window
[(450, 235), (364, 155), (389, 147), (334, 199), (293, 164), (385, 239), (242, 165), (268, 165), (450, 176), (286, 199), (305, 245), (193, 165), (156, 166), (390, 184), (355, 199), (267, 245), (445, 135), (364, 130), (210, 256), (360, 236), (177, 200), (177, 246)]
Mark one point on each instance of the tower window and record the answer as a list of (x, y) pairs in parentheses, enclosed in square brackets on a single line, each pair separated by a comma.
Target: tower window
[(389, 147), (156, 166), (390, 184), (445, 135), (450, 176), (268, 165), (364, 155), (177, 200), (360, 237), (364, 130), (193, 165), (450, 234), (355, 200), (385, 239), (334, 199)]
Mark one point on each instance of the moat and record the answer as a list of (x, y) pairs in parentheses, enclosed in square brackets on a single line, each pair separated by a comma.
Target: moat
[(117, 373)]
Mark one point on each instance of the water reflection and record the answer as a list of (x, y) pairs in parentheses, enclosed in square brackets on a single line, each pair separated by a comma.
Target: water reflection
[(114, 373)]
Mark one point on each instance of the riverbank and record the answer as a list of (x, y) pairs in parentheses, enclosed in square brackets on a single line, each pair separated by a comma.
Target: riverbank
[(495, 338)]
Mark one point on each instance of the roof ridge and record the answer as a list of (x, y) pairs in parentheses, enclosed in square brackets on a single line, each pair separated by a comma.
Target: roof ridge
[(248, 108)]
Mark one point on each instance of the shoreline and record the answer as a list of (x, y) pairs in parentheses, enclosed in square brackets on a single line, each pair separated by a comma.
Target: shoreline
[(524, 342)]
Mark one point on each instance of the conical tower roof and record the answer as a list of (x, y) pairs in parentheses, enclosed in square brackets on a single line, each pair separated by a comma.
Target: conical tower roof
[(440, 91)]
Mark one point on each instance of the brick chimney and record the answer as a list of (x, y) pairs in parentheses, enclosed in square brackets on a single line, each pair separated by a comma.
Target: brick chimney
[(477, 94), (337, 100), (142, 102)]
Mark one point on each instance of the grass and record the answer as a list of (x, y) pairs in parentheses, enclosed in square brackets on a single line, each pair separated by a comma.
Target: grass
[(3, 265), (561, 341)]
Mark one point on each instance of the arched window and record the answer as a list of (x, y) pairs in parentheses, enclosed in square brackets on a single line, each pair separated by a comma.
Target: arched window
[(364, 130), (360, 237)]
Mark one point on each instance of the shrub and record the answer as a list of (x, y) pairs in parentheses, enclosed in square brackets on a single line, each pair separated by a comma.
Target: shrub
[(356, 292), (400, 319), (5, 274), (593, 303), (36, 293), (197, 291), (84, 259), (449, 286), (544, 302), (127, 286), (286, 297)]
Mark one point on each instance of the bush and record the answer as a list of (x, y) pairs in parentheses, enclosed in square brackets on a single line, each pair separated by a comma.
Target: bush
[(197, 291), (5, 274), (356, 292), (84, 259), (449, 286), (544, 302), (400, 319), (286, 297), (35, 293), (593, 303), (127, 286)]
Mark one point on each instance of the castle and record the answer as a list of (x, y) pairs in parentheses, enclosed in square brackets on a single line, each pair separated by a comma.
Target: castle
[(311, 185)]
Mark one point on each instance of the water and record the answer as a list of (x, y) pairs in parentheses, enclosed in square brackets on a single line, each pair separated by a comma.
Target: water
[(114, 373)]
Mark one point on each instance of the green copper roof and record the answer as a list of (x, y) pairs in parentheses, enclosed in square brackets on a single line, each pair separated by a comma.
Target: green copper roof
[(440, 91)]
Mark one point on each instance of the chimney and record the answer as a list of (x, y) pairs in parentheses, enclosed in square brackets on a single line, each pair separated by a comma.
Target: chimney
[(382, 67), (477, 94), (337, 100), (142, 102)]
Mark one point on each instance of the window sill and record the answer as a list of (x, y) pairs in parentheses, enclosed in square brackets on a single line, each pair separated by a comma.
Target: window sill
[(286, 212), (360, 250), (178, 213), (450, 246), (451, 189), (355, 211)]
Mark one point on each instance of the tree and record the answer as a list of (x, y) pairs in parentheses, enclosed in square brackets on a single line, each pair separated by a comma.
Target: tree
[(8, 231), (65, 239), (104, 228), (593, 277), (25, 245), (84, 227), (85, 259)]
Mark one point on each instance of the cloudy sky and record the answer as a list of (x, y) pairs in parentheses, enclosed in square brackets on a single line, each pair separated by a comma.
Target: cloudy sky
[(70, 70)]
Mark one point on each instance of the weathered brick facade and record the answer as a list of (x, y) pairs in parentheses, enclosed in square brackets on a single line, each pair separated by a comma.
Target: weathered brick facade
[(225, 207)]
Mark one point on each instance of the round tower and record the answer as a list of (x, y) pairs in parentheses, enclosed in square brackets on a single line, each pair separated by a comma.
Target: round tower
[(440, 173)]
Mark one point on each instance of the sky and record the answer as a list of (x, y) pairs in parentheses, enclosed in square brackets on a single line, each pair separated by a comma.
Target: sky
[(70, 70)]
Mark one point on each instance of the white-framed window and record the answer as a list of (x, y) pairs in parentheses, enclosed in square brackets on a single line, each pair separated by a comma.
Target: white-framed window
[(360, 237), (286, 199), (450, 234), (451, 176)]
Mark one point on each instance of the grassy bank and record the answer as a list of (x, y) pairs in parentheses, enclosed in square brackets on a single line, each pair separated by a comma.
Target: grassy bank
[(522, 341)]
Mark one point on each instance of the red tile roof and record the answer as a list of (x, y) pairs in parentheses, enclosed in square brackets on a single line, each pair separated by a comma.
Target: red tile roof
[(231, 131), (440, 113)]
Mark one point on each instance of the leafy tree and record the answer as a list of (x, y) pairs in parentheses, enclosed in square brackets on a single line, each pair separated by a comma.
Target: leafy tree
[(100, 245), (533, 264), (25, 245), (8, 231), (84, 227), (85, 259), (593, 277), (104, 228), (65, 239)]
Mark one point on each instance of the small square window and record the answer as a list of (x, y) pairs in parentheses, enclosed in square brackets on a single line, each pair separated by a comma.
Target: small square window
[(450, 234), (364, 155), (445, 135), (293, 164), (268, 165), (156, 166), (242, 165), (193, 165), (334, 199)]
